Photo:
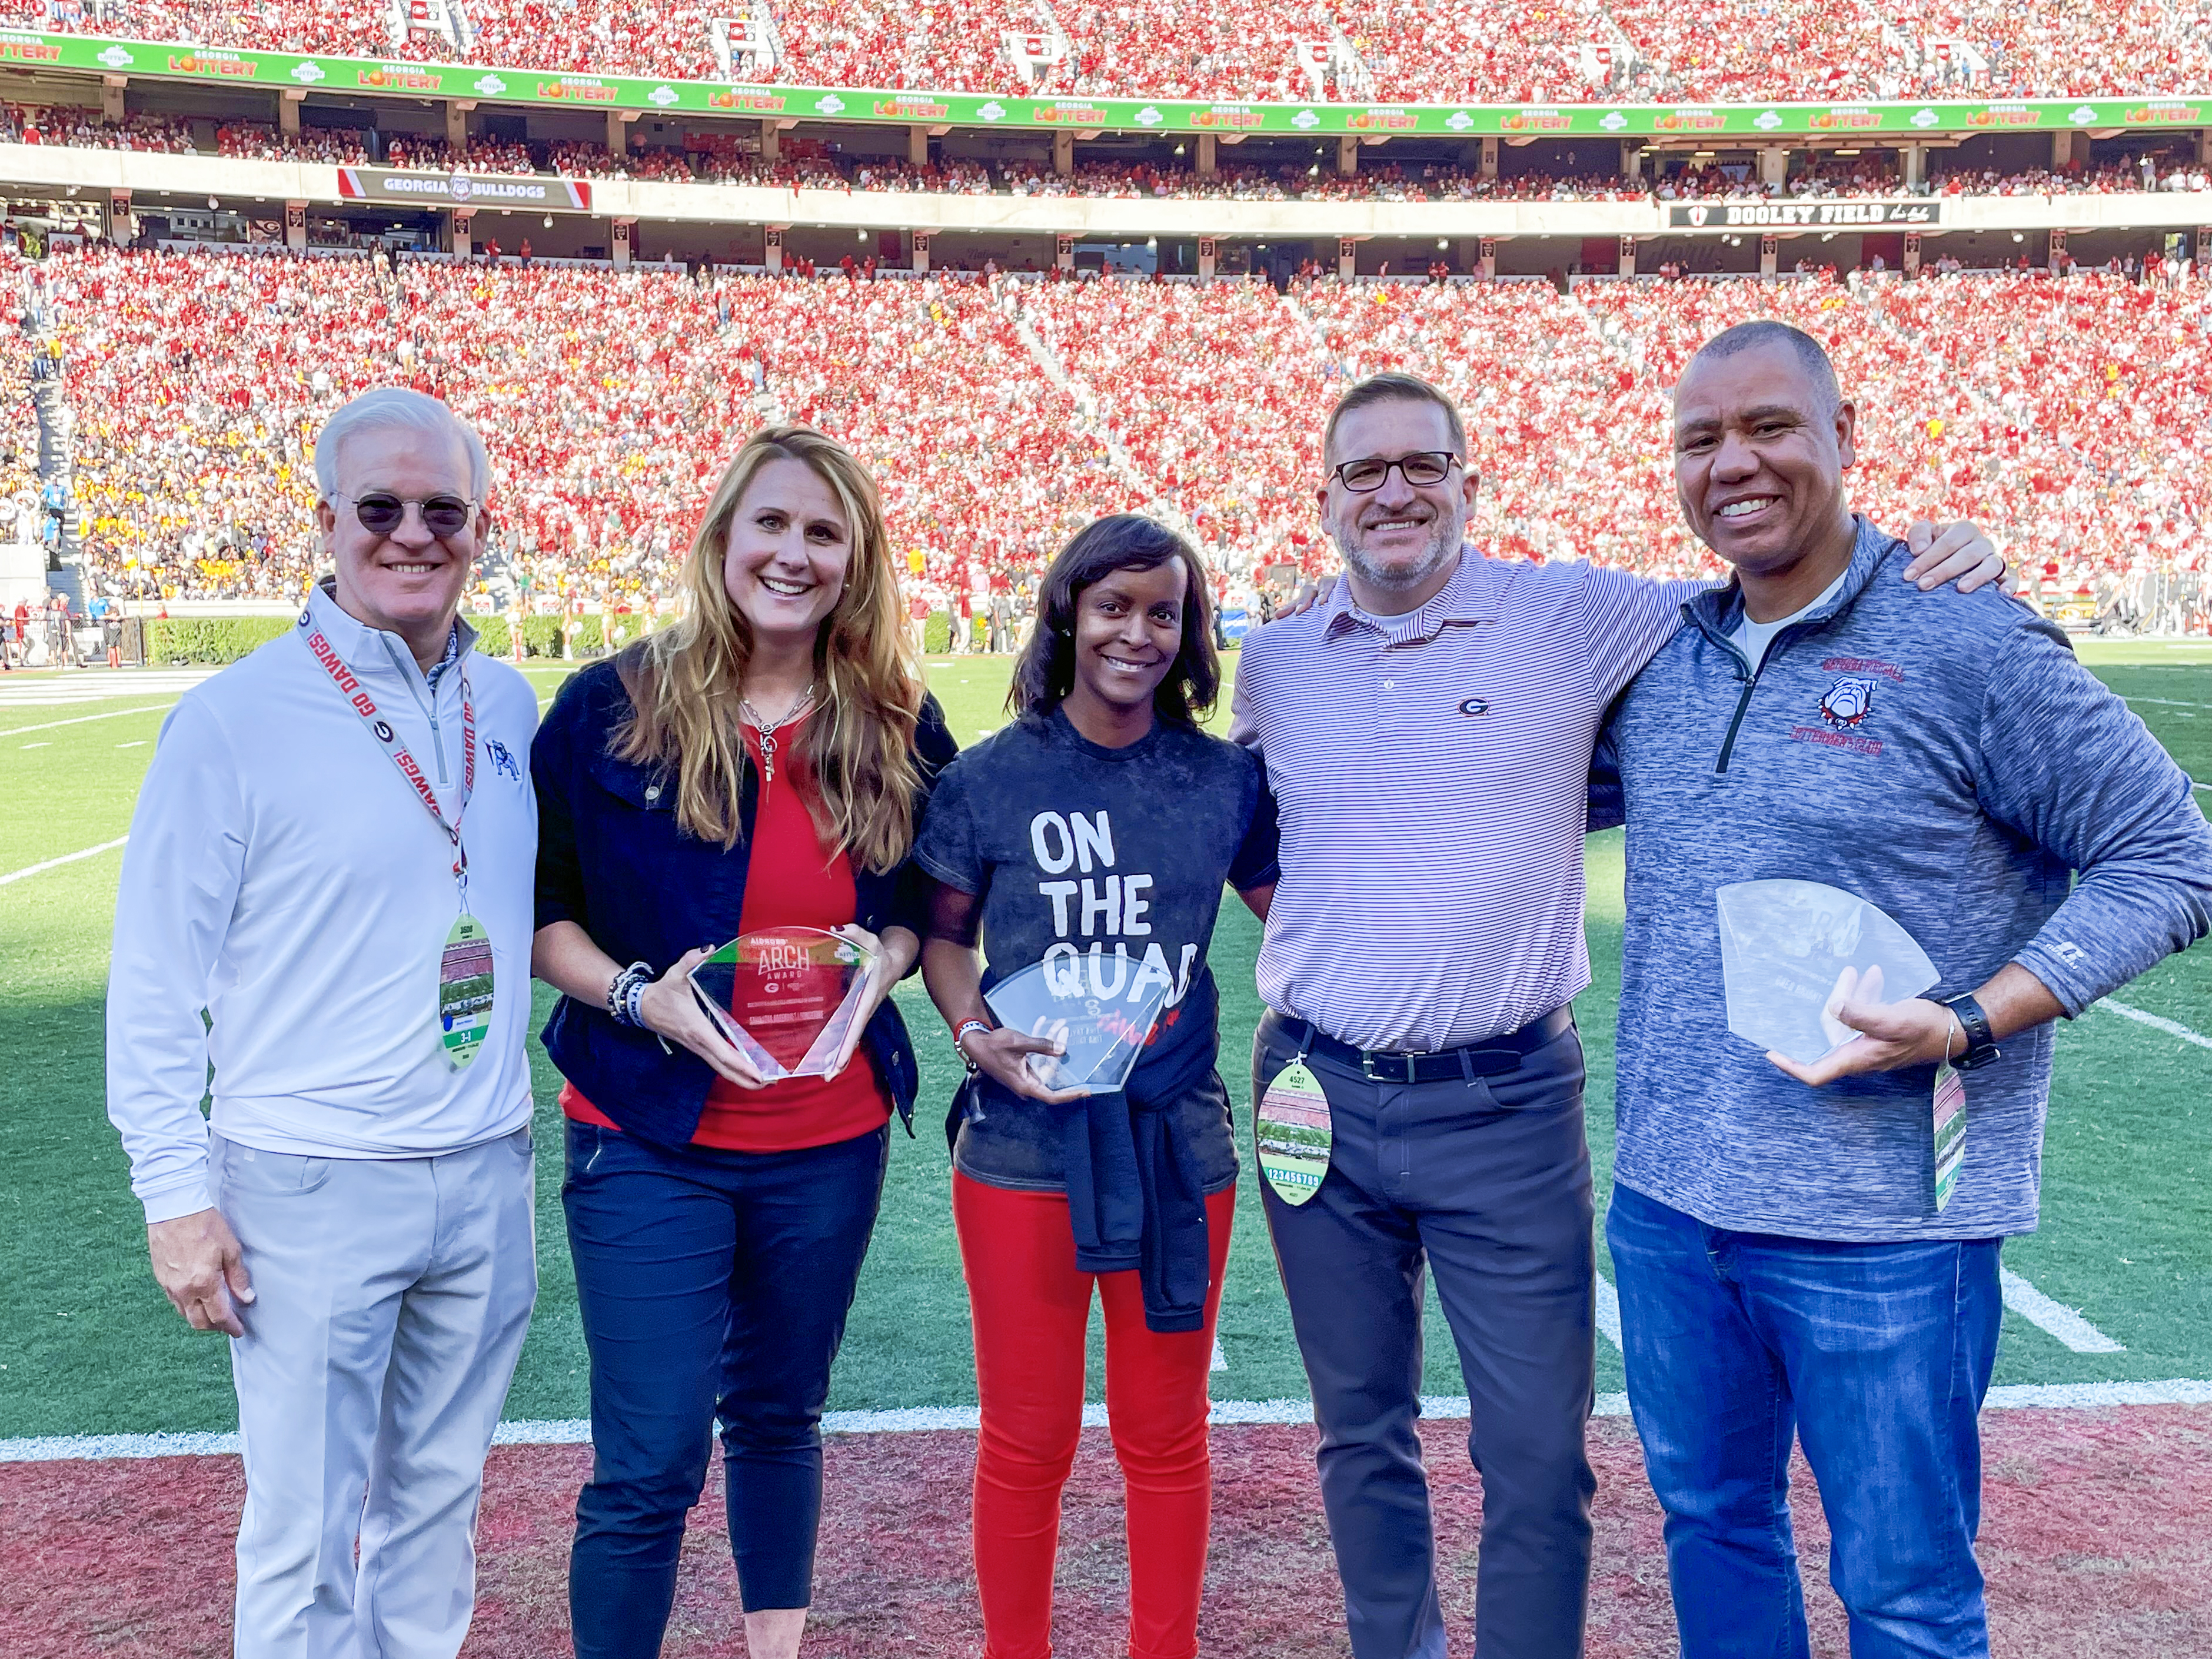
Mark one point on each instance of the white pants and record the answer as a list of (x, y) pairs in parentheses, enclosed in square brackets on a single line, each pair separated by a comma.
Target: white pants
[(391, 1299)]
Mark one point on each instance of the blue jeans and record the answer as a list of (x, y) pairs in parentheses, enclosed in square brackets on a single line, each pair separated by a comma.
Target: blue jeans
[(1876, 1357), (714, 1285)]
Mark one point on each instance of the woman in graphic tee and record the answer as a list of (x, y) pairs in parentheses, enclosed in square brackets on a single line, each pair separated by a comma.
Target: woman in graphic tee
[(762, 764), (1094, 834)]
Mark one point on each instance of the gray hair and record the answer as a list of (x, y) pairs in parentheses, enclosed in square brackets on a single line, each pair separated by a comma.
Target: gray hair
[(391, 406)]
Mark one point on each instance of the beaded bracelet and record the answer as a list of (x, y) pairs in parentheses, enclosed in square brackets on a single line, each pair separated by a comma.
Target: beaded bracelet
[(622, 995)]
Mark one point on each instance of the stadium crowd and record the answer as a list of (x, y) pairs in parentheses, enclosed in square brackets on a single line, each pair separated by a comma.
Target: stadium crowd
[(1453, 52), (1001, 413), (719, 157), (199, 382)]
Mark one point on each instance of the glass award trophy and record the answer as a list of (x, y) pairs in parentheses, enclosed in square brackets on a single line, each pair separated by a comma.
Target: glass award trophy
[(1791, 952), (785, 997), (1101, 1028)]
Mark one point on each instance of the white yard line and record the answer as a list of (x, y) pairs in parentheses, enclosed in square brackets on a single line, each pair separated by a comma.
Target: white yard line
[(66, 858), (1608, 1310), (112, 714), (917, 1420), (78, 691), (2157, 1022), (2062, 1322), (1220, 1359), (2169, 702)]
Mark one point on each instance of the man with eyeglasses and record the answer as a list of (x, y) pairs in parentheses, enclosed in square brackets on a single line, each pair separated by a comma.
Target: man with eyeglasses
[(1427, 730), (332, 859)]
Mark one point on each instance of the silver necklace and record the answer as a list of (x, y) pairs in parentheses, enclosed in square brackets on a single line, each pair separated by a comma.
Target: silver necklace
[(768, 729)]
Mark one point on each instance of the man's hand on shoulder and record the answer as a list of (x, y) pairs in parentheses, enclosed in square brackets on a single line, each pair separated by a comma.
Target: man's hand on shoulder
[(202, 1269), (1309, 594), (1957, 553)]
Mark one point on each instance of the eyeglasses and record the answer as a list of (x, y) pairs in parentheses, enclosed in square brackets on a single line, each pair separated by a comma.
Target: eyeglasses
[(380, 513), (1422, 469)]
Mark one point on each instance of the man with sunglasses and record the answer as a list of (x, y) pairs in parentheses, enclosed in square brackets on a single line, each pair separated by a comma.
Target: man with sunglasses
[(1427, 730), (332, 859)]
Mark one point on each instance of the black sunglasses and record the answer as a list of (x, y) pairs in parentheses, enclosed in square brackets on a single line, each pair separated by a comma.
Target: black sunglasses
[(380, 513), (1422, 469)]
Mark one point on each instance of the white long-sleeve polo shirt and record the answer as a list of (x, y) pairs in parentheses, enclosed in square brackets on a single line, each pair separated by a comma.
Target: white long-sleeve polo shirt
[(284, 877)]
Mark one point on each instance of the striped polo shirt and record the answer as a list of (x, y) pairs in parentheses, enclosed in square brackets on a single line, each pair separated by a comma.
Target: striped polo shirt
[(1431, 773)]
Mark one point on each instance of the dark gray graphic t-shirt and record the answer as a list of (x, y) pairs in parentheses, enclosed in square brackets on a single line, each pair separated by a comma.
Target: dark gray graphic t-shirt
[(1114, 857)]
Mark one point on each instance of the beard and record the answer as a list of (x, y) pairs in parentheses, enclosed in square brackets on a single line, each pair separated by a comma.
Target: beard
[(1444, 539)]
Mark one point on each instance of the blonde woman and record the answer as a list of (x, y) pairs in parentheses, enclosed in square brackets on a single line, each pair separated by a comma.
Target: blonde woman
[(763, 762)]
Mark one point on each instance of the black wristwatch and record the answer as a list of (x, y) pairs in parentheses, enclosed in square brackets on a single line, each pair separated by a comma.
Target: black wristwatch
[(1981, 1047)]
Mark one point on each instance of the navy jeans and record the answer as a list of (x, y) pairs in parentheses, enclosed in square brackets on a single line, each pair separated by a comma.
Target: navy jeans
[(713, 1286), (1876, 1357)]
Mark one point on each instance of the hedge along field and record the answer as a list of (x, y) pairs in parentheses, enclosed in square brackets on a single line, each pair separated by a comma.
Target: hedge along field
[(219, 641)]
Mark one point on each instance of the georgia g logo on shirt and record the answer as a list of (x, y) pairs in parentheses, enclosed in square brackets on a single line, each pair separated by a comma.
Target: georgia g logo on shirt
[(1847, 703)]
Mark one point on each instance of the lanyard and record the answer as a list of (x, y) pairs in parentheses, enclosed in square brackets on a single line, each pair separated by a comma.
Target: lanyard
[(349, 687)]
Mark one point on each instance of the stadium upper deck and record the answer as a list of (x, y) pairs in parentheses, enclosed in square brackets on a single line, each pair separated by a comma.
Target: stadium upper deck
[(1444, 52)]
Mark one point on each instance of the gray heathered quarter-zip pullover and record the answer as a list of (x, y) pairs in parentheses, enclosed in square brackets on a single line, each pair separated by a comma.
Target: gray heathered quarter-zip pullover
[(1942, 756)]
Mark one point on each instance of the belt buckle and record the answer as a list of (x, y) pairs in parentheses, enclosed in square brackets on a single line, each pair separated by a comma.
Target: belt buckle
[(1404, 1063)]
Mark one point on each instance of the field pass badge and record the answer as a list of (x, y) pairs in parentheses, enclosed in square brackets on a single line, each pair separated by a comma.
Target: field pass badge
[(464, 991), (1950, 1133), (1289, 1133)]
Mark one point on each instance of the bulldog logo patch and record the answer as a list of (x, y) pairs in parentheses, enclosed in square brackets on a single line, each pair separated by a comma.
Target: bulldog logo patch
[(1846, 704)]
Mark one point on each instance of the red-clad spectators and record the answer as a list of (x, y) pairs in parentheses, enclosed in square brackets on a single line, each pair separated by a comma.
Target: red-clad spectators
[(199, 382), (21, 288), (946, 45), (1431, 50), (2066, 413), (1214, 393)]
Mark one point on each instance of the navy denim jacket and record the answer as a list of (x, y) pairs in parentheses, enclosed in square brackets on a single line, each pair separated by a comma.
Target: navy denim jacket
[(611, 860)]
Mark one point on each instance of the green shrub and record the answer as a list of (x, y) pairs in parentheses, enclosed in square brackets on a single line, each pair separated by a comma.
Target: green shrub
[(493, 638), (937, 632), (541, 636), (216, 640), (587, 636)]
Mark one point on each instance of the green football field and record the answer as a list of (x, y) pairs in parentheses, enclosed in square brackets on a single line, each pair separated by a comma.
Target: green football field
[(2124, 1256)]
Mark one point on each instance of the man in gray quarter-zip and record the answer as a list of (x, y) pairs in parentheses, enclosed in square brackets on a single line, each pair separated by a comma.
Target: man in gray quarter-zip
[(333, 856), (1792, 1261)]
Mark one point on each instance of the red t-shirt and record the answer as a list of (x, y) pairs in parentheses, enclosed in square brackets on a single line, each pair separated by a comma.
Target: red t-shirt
[(793, 879)]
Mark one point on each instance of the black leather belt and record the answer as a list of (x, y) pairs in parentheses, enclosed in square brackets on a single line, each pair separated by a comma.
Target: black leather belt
[(1491, 1057)]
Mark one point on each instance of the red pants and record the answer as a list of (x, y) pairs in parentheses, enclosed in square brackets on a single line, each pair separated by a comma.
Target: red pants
[(1031, 1310)]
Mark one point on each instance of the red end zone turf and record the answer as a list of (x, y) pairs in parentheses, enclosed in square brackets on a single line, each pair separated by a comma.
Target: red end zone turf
[(2097, 1538)]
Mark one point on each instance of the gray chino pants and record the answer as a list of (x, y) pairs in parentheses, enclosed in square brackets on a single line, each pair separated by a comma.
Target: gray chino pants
[(391, 1299), (1485, 1182)]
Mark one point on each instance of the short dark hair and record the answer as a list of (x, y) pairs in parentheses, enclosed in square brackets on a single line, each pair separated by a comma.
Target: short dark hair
[(1394, 387), (1045, 673), (1812, 356)]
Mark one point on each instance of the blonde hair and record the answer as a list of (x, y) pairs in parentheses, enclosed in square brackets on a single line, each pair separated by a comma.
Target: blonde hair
[(685, 682)]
